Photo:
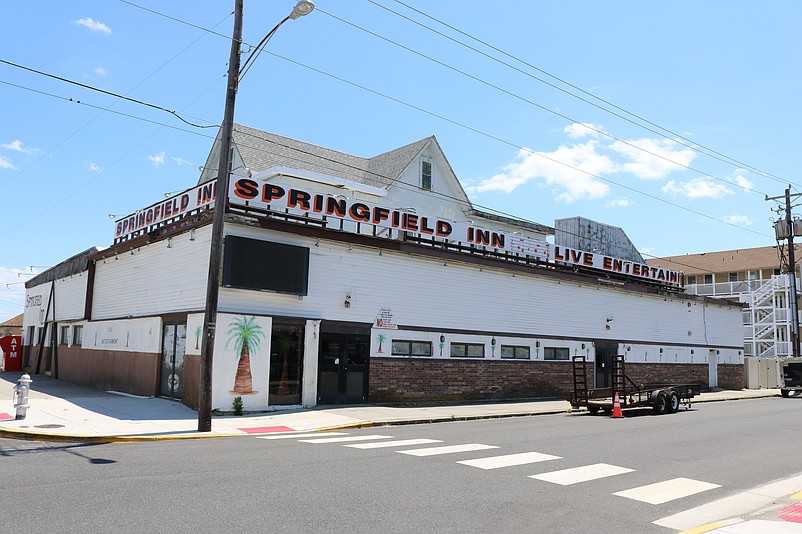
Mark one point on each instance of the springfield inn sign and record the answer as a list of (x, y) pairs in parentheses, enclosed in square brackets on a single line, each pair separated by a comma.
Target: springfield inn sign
[(303, 202)]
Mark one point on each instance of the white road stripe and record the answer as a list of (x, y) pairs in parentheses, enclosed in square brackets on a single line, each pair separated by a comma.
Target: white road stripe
[(575, 475), (494, 462), (348, 438), (667, 491), (397, 443), (448, 449), (302, 435)]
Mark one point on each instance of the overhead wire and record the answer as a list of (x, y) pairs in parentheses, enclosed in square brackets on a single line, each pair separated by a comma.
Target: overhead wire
[(663, 130)]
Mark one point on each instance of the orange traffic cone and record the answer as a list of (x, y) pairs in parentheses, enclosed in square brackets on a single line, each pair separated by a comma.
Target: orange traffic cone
[(617, 407)]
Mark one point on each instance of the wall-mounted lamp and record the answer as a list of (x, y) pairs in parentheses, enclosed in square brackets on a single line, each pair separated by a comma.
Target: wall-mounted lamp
[(381, 253), (493, 342), (192, 235), (347, 302), (132, 252), (169, 242), (661, 350), (583, 345), (537, 343), (442, 338), (317, 243)]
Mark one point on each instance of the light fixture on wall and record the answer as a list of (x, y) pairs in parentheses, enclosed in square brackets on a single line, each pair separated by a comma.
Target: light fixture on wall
[(192, 235), (537, 343), (347, 302), (169, 242), (381, 253), (442, 338), (493, 341), (583, 345), (317, 243)]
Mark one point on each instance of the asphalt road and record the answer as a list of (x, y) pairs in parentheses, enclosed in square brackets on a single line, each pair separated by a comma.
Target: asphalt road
[(248, 484)]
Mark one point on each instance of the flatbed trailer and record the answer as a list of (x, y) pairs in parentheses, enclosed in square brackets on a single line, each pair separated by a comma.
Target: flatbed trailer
[(792, 376), (661, 398)]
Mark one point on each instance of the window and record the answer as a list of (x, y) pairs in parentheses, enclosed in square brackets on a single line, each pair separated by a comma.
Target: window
[(691, 280), (426, 174), (555, 353), (708, 279), (733, 277), (467, 350), (776, 272), (513, 352), (412, 348), (64, 337), (77, 335)]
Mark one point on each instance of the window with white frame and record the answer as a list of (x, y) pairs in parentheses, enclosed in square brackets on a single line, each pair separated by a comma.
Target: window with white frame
[(426, 174), (691, 279), (77, 334), (556, 353), (467, 350), (708, 279), (402, 347), (733, 277), (514, 352), (64, 335)]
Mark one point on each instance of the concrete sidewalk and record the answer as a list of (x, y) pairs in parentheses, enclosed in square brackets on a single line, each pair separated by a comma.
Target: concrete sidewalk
[(63, 412)]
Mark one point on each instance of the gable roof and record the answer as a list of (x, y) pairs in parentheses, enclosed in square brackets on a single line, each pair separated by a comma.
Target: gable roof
[(14, 322), (749, 259)]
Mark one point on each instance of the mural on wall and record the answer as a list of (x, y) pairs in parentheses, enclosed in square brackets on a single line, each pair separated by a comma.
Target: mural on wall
[(247, 335)]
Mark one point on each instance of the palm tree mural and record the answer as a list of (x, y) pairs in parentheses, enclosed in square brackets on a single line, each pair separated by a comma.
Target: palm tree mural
[(381, 338), (247, 336), (198, 330)]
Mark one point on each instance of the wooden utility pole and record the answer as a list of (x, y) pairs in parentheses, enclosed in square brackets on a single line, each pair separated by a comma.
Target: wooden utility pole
[(214, 277), (791, 268)]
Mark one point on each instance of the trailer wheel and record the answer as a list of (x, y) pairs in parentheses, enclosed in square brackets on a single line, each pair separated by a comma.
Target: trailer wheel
[(660, 405), (593, 409), (785, 392), (673, 402)]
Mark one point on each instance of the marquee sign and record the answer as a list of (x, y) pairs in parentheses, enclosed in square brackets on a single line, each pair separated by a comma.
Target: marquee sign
[(298, 201)]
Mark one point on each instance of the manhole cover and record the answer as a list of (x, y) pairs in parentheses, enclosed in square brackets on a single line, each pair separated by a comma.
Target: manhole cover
[(48, 426)]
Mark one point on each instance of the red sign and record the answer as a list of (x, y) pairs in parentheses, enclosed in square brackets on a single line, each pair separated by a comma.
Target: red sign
[(12, 352)]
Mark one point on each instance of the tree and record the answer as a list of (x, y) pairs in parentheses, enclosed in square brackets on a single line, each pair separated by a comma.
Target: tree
[(247, 336)]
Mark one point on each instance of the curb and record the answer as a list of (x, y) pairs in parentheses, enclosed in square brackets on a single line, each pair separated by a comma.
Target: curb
[(79, 438)]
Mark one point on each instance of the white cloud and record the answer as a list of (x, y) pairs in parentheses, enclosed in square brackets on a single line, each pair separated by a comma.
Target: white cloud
[(93, 167), (620, 203), (100, 71), (653, 159), (158, 159), (17, 146), (94, 25), (5, 163), (567, 171), (181, 162), (578, 130), (745, 220), (697, 188), (740, 180)]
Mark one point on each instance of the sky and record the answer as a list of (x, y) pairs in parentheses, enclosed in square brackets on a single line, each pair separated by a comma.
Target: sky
[(671, 120)]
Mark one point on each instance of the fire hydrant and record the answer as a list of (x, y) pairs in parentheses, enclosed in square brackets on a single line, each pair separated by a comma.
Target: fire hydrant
[(21, 391)]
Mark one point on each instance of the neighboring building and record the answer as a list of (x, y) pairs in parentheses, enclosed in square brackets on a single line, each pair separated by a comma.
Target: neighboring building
[(751, 276), (12, 327), (352, 280)]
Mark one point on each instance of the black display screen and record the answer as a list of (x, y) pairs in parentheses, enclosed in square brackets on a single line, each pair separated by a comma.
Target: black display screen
[(265, 266)]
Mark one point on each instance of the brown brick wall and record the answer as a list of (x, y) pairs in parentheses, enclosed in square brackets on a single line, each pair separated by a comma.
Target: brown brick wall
[(191, 381), (674, 373), (127, 372), (420, 380), (731, 376)]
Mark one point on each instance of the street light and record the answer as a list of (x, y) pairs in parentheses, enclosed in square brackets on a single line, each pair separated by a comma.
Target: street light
[(214, 278)]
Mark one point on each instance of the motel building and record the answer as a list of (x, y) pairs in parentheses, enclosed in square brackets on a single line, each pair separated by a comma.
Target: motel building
[(350, 280)]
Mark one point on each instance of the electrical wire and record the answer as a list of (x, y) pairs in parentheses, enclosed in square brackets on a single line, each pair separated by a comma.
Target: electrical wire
[(693, 144)]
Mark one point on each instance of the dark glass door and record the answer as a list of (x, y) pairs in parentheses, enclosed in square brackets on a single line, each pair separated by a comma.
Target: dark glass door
[(343, 368), (174, 342), (604, 360)]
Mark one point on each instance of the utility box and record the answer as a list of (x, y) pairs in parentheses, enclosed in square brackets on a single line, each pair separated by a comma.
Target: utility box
[(763, 373), (11, 347)]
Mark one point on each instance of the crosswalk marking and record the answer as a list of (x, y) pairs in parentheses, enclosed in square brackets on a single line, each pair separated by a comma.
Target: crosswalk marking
[(347, 438), (303, 435), (449, 449), (397, 443), (575, 475), (494, 462), (667, 491)]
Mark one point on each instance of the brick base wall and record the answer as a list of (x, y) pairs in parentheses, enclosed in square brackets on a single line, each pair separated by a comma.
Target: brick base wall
[(127, 372), (674, 373), (191, 381), (419, 380), (731, 376)]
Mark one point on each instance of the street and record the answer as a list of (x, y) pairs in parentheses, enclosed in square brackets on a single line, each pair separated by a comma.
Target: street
[(416, 478)]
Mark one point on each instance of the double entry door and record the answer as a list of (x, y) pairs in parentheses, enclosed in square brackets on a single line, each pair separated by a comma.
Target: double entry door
[(343, 368)]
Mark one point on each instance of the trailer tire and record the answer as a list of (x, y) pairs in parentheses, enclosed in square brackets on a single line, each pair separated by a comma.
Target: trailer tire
[(785, 392), (660, 405), (593, 410), (673, 402)]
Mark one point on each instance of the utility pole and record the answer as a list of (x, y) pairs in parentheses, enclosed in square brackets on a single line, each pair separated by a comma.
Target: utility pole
[(216, 254), (791, 268)]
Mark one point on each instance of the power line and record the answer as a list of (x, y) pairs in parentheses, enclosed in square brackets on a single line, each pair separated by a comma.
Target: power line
[(693, 144)]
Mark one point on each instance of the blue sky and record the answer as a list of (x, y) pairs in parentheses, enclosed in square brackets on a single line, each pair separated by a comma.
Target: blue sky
[(719, 78)]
